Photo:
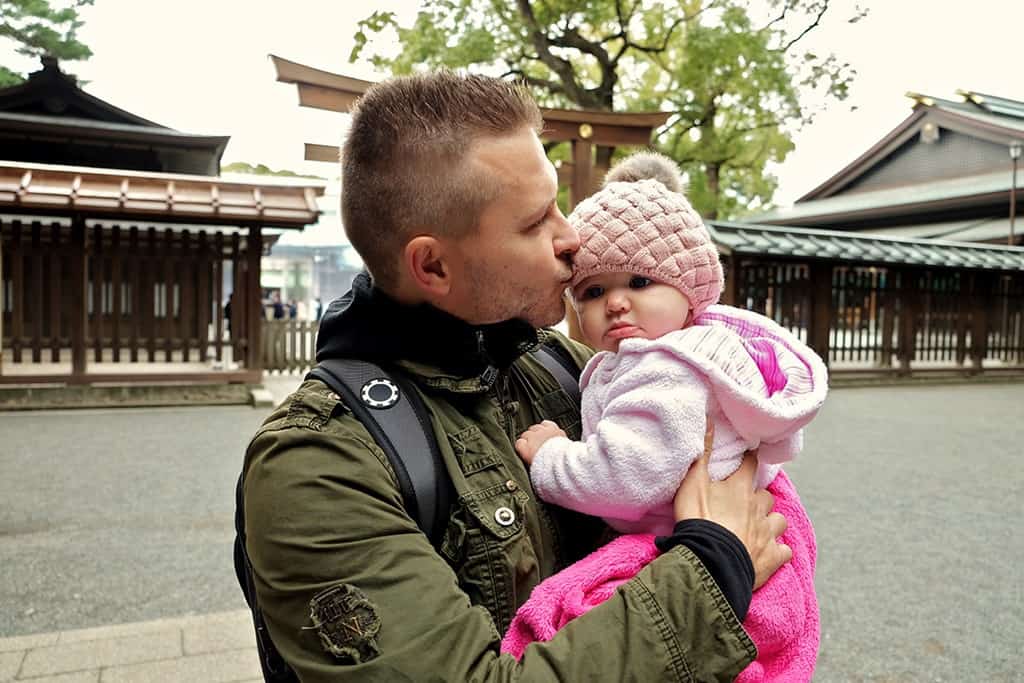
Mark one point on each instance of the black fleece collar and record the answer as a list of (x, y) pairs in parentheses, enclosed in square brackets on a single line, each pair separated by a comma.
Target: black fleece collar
[(368, 324)]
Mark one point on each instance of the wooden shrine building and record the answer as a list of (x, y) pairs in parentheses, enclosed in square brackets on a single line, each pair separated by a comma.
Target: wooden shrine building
[(902, 246), (948, 171), (120, 248)]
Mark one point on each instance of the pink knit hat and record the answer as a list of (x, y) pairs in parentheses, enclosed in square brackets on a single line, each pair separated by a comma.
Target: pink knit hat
[(637, 224)]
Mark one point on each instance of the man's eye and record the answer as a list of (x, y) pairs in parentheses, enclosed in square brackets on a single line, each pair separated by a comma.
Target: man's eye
[(639, 282), (592, 292), (540, 221)]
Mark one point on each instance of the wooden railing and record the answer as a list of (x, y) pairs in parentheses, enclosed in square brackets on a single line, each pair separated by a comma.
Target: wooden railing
[(124, 295), (289, 345), (879, 319)]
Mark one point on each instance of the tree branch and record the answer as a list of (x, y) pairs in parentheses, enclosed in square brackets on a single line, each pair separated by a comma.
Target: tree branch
[(817, 20), (553, 87), (561, 67), (785, 8)]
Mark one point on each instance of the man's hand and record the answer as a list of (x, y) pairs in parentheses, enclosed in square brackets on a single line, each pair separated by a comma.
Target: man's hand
[(735, 504), (530, 441)]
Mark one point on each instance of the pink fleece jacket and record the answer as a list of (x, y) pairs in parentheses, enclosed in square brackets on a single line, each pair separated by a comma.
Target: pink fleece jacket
[(645, 410), (782, 619), (644, 418)]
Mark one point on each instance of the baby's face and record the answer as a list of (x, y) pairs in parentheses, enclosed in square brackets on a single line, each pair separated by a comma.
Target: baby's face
[(617, 306)]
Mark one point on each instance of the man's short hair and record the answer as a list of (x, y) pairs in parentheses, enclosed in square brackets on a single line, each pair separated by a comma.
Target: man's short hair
[(403, 162)]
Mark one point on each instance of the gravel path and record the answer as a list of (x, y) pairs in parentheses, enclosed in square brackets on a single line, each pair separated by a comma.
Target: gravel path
[(917, 494)]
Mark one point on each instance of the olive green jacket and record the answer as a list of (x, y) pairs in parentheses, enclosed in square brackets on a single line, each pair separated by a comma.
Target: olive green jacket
[(352, 590)]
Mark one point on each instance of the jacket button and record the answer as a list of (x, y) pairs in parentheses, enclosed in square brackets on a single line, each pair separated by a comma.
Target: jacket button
[(511, 485), (504, 516)]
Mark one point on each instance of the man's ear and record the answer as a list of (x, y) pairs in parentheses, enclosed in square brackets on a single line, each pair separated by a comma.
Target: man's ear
[(425, 261)]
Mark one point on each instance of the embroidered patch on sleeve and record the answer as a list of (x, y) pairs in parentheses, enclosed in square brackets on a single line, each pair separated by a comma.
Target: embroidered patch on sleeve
[(347, 623)]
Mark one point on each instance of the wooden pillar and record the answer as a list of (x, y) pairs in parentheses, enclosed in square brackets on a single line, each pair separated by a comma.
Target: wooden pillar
[(203, 306), (78, 267), (218, 295), (115, 285), (254, 251), (980, 312), (37, 292), (240, 306), (888, 321), (186, 279), (821, 308), (3, 294), (169, 272), (910, 304), (582, 171), (17, 291), (97, 292), (731, 266), (963, 310), (134, 256), (54, 259)]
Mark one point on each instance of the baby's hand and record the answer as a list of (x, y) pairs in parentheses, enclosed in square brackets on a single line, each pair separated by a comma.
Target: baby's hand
[(530, 441)]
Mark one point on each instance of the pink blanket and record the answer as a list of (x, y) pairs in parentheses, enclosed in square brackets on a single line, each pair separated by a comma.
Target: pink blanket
[(783, 615)]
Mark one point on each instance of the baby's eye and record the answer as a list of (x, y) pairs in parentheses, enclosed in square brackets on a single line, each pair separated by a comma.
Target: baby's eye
[(639, 282), (591, 292)]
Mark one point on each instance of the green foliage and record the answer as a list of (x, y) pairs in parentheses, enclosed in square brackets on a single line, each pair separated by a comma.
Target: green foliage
[(262, 169), (38, 29), (737, 89)]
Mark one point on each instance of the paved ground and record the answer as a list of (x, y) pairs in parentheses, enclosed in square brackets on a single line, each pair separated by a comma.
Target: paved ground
[(124, 517), (214, 648)]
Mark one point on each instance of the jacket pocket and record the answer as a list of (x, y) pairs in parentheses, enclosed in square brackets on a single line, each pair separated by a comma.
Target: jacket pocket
[(557, 407), (486, 542)]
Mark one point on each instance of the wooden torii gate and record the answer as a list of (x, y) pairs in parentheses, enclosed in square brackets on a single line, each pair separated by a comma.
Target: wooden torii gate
[(585, 130)]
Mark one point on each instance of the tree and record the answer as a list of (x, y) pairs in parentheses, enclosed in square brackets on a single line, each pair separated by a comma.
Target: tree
[(262, 169), (737, 90), (37, 29)]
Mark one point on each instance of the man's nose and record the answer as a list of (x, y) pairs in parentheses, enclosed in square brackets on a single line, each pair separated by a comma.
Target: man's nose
[(566, 239)]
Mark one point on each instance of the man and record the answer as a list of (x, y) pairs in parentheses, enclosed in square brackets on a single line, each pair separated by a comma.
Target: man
[(450, 200)]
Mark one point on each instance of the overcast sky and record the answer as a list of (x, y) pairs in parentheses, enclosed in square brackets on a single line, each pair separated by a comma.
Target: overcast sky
[(202, 67)]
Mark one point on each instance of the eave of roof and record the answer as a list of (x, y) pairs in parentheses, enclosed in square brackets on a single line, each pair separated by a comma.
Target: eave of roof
[(970, 230), (802, 243), (78, 127), (896, 201), (131, 195)]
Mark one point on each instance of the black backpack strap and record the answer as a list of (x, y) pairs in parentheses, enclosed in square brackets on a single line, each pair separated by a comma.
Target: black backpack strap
[(562, 368), (393, 413)]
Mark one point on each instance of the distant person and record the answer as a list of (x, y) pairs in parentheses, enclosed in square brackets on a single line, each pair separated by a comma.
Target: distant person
[(278, 306), (318, 309), (227, 313), (646, 287), (293, 309)]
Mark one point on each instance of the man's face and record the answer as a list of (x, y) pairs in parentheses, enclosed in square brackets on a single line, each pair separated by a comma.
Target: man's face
[(517, 262)]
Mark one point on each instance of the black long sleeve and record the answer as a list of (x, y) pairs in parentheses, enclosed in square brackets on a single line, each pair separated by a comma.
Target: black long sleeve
[(722, 554)]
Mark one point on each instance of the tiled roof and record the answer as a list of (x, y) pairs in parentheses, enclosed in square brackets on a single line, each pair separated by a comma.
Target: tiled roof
[(780, 241)]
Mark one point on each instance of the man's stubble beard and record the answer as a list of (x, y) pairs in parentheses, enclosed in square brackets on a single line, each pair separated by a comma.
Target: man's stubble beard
[(495, 303)]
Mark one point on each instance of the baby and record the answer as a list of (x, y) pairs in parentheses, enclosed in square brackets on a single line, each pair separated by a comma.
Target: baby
[(646, 283)]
